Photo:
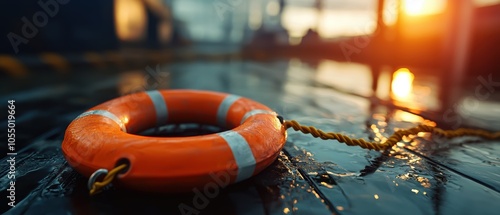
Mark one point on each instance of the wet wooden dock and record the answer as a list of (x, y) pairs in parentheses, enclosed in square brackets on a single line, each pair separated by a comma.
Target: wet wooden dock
[(423, 175)]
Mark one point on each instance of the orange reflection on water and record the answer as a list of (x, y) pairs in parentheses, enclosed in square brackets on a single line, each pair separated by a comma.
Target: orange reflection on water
[(416, 93), (402, 84), (286, 210), (404, 116)]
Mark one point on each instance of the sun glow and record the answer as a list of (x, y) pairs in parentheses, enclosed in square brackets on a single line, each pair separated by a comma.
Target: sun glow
[(423, 7), (402, 84)]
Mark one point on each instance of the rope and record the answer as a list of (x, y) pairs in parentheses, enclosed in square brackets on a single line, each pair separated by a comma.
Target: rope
[(392, 140), (98, 186)]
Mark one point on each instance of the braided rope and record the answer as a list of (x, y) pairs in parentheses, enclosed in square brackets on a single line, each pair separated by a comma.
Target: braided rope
[(393, 139), (98, 186)]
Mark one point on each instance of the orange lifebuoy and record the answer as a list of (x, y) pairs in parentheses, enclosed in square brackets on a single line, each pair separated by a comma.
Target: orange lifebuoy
[(103, 137)]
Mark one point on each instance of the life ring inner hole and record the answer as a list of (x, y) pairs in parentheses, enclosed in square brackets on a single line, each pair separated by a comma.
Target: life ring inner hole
[(181, 130)]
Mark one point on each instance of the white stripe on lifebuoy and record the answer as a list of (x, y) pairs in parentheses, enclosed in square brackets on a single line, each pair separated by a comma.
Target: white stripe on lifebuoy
[(242, 154), (106, 114), (160, 107)]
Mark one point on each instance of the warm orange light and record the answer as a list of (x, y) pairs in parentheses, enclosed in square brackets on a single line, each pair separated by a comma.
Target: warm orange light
[(125, 120), (402, 84), (423, 7), (408, 117), (390, 13), (131, 82), (130, 20)]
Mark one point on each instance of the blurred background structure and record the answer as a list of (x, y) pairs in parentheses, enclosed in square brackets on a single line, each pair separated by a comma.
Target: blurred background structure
[(369, 65), (453, 41)]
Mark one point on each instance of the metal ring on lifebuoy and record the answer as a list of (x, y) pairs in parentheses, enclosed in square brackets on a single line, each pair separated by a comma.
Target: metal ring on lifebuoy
[(103, 137)]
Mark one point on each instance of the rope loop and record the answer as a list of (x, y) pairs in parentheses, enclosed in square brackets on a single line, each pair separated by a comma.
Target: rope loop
[(96, 186)]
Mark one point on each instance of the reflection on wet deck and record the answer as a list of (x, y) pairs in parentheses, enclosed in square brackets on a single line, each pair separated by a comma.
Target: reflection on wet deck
[(423, 174), (402, 87)]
